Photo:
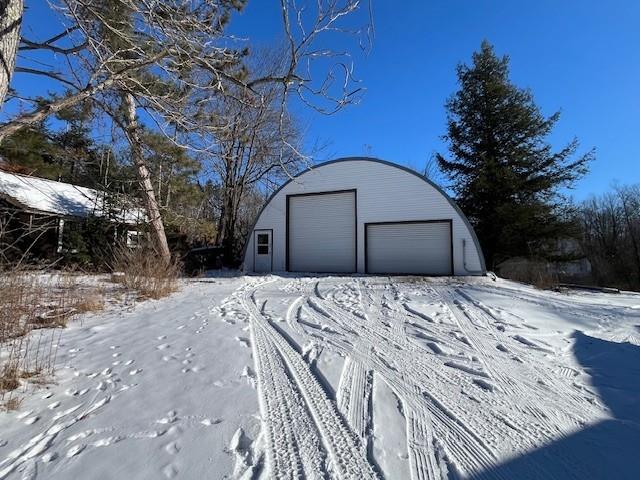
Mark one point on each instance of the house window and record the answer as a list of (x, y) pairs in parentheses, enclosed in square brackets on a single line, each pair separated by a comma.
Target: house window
[(133, 239)]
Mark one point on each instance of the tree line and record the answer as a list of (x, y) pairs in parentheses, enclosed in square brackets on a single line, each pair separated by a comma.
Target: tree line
[(197, 125), (170, 81)]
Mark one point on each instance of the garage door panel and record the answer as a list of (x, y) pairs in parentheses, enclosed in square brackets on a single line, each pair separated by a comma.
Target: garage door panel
[(412, 248), (322, 232)]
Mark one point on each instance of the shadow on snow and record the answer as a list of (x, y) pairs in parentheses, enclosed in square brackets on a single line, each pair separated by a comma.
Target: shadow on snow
[(609, 449)]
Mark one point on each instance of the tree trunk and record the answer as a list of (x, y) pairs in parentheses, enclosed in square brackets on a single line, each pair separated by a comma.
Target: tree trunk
[(150, 202), (225, 236), (10, 20)]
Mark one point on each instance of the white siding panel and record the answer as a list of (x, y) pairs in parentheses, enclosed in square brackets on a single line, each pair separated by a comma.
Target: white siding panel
[(385, 193), (414, 248), (322, 231)]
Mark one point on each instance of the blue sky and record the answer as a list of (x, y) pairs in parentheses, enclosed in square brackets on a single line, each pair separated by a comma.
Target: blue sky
[(580, 57)]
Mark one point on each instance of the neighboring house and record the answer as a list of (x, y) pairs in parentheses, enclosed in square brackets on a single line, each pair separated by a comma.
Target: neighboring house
[(45, 206), (362, 215)]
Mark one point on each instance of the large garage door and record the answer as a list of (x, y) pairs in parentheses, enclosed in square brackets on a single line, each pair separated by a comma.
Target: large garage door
[(322, 232), (409, 247)]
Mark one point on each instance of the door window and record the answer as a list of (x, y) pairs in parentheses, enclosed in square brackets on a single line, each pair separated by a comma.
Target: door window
[(263, 244)]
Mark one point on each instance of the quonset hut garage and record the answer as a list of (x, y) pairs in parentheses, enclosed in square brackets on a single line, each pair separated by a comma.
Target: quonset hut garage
[(362, 215)]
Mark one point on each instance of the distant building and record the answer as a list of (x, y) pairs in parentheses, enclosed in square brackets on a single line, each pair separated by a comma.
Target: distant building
[(41, 208)]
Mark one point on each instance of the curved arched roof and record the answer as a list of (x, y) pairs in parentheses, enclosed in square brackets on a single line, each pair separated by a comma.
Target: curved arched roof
[(383, 162)]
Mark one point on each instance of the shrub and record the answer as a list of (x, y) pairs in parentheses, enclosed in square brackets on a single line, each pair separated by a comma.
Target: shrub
[(141, 269)]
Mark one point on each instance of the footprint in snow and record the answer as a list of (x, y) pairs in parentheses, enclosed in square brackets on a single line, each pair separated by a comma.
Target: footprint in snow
[(47, 395), (180, 327), (170, 471), (116, 355), (128, 362), (162, 337), (163, 346), (73, 451), (135, 371), (49, 457), (207, 422), (105, 442), (32, 420), (250, 375), (53, 405), (244, 341), (3, 443), (172, 448)]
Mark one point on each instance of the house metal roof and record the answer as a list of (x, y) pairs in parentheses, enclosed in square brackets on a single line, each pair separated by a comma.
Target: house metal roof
[(39, 195)]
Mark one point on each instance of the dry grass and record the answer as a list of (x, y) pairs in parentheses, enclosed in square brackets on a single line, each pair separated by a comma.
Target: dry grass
[(142, 270), (12, 403), (33, 308)]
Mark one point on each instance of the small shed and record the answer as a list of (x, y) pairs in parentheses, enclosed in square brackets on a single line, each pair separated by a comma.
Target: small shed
[(362, 215)]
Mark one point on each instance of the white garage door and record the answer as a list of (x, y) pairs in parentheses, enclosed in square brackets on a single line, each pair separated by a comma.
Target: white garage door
[(414, 248), (322, 232)]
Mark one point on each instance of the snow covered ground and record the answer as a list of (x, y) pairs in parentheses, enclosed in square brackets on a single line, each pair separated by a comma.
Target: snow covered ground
[(340, 377)]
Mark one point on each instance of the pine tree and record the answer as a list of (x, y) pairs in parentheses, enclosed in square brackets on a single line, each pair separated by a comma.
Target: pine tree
[(505, 175)]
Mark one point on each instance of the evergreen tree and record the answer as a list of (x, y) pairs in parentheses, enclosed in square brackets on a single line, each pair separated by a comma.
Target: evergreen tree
[(505, 175)]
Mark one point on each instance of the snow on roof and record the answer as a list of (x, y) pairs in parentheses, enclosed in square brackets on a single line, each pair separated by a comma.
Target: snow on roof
[(65, 199)]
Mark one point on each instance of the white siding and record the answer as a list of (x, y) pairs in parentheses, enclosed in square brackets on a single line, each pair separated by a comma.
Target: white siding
[(418, 248), (384, 193), (322, 233)]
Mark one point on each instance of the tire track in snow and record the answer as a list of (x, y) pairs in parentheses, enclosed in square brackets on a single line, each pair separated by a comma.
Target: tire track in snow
[(453, 423), (345, 451), (354, 391), (410, 383)]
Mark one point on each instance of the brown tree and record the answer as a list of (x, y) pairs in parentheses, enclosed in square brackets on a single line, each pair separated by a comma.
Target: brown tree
[(10, 20)]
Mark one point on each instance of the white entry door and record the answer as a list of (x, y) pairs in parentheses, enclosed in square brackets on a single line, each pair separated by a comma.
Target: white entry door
[(263, 251)]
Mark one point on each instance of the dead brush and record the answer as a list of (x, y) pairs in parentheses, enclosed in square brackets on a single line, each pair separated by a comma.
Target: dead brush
[(142, 270), (33, 307), (534, 271)]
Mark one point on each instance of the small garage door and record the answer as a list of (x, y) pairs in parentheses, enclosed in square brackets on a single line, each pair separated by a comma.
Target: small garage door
[(422, 248), (322, 232)]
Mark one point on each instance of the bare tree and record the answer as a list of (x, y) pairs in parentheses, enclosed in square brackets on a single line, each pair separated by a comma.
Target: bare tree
[(169, 59), (10, 20), (611, 236), (255, 143)]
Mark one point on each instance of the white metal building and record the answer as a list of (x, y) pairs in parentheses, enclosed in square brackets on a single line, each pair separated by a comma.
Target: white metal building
[(362, 215)]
